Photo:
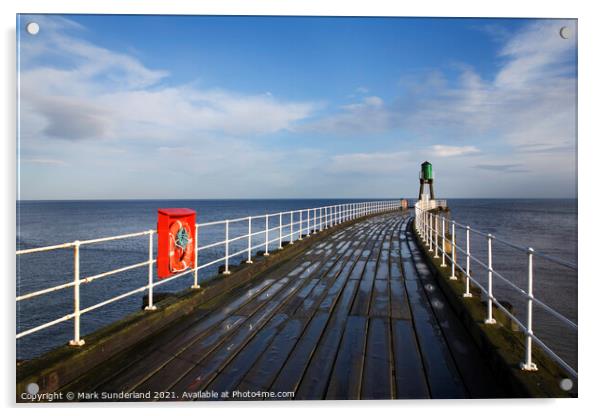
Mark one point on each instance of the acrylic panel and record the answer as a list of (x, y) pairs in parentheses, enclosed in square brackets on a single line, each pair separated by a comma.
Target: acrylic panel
[(295, 208)]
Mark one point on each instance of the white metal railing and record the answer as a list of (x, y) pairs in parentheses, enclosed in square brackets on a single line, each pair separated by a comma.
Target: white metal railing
[(431, 227), (302, 222)]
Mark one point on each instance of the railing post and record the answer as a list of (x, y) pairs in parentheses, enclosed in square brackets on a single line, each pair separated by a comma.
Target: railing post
[(292, 230), (300, 225), (453, 253), (76, 341), (151, 306), (489, 319), (227, 257), (430, 232), (195, 284), (266, 252), (308, 227), (467, 293), (280, 231), (443, 241), (320, 222), (436, 237), (314, 230), (529, 365), (249, 242)]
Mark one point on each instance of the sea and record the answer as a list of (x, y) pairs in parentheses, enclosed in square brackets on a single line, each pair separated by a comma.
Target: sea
[(547, 225)]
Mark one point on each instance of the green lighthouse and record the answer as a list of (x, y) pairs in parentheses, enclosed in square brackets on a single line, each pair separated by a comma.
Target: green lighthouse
[(426, 176)]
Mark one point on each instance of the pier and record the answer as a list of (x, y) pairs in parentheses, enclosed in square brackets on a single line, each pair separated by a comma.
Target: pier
[(350, 318), (345, 302)]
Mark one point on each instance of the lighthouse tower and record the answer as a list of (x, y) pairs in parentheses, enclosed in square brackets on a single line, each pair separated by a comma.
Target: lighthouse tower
[(426, 176)]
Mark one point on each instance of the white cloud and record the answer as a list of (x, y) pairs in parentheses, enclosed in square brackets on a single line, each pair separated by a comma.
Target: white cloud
[(76, 90), (447, 151), (55, 162)]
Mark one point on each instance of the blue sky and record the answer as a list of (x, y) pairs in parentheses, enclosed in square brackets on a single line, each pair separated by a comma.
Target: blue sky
[(278, 107)]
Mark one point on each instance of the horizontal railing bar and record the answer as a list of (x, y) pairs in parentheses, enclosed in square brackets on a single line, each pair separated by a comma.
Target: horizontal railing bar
[(46, 325), (90, 279), (115, 299), (211, 263), (219, 243), (117, 237), (240, 237), (44, 291), (47, 248), (206, 224)]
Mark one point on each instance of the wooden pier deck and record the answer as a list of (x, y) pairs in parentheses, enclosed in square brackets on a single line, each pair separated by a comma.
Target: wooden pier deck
[(358, 315)]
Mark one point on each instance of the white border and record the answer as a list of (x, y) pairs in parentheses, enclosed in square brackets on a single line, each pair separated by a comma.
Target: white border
[(589, 201)]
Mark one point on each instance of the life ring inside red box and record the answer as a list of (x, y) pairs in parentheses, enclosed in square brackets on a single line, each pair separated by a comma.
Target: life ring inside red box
[(176, 235), (181, 250)]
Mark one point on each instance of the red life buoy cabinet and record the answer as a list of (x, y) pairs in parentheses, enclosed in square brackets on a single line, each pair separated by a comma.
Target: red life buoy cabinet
[(176, 241)]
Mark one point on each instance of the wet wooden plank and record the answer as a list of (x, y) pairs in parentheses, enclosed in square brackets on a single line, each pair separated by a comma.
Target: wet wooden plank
[(380, 305), (410, 380), (264, 370), (400, 307), (382, 271), (291, 373), (237, 368), (346, 379), (296, 302), (268, 294), (361, 305), (315, 379), (377, 381)]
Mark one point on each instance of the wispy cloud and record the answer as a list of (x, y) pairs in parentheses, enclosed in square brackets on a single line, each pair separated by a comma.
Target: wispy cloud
[(509, 168), (448, 151), (55, 162)]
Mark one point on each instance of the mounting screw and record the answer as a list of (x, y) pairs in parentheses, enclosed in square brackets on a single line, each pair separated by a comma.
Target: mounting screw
[(32, 28)]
